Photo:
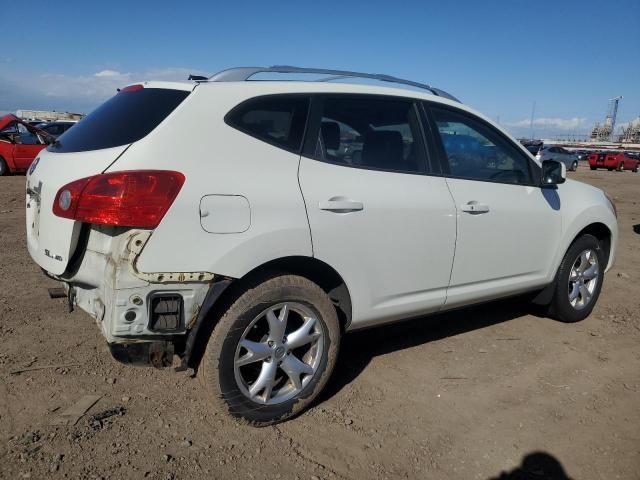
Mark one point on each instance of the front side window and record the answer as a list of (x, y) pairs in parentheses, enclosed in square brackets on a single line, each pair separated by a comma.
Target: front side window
[(370, 132), (28, 137), (476, 151), (276, 119)]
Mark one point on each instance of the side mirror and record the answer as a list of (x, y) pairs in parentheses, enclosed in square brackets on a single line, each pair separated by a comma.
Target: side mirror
[(553, 173)]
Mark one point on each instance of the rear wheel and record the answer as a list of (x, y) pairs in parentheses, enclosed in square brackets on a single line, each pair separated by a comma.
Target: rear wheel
[(273, 351), (574, 166), (4, 169), (621, 167), (592, 168), (579, 280)]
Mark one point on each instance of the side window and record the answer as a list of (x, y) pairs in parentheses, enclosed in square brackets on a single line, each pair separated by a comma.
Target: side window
[(276, 119), (476, 151), (370, 132), (56, 130), (26, 137)]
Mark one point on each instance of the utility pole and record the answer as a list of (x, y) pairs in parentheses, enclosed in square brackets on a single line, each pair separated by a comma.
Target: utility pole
[(533, 112)]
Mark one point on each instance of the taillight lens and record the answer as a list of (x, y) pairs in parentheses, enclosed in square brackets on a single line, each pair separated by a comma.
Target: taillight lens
[(136, 198)]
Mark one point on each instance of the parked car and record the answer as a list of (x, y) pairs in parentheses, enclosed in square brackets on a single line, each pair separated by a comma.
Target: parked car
[(20, 143), (533, 146), (225, 221), (583, 155), (613, 161), (559, 154), (533, 149), (57, 128)]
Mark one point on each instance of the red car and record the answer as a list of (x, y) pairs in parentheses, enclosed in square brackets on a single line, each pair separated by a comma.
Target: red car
[(613, 161), (20, 143)]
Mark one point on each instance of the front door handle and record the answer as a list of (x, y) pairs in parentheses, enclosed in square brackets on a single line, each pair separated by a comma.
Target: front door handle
[(475, 207), (341, 205)]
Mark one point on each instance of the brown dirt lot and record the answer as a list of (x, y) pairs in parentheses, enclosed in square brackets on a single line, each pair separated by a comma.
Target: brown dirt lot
[(471, 395)]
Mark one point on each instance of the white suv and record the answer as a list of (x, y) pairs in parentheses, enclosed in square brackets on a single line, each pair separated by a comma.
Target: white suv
[(246, 225)]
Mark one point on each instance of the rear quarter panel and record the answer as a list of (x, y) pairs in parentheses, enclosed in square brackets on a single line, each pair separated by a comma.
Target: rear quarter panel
[(217, 159)]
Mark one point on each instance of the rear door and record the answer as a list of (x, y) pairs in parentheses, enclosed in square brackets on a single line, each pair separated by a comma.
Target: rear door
[(85, 150), (375, 213), (508, 227)]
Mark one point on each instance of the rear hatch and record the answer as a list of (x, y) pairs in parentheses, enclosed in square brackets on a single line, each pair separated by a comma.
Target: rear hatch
[(87, 149)]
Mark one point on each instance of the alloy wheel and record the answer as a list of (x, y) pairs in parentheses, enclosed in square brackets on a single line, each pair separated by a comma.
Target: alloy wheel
[(583, 279), (279, 353)]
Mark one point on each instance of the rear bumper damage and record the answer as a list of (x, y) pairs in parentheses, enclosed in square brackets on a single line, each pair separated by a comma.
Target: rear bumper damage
[(143, 316)]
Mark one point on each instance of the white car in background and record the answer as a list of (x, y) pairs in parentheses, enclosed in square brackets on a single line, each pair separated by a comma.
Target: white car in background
[(559, 154), (247, 225)]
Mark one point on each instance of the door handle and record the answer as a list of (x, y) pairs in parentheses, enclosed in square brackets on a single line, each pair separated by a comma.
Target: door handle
[(475, 207), (341, 206)]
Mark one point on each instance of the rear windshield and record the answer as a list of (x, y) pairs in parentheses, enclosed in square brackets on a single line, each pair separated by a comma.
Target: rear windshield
[(123, 119)]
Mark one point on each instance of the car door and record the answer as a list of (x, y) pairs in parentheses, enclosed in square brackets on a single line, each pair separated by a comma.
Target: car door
[(567, 157), (375, 214), (508, 227), (26, 149)]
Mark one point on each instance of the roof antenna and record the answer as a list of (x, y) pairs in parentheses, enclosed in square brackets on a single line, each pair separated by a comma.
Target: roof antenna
[(197, 78)]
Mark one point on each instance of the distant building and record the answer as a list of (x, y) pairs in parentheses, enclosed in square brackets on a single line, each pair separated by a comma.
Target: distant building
[(47, 116), (631, 133)]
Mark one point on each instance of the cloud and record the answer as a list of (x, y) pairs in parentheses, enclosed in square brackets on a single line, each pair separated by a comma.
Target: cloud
[(109, 73), (551, 123), (78, 93)]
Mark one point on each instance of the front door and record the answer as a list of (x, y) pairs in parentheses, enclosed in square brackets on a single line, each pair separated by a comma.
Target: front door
[(27, 148), (375, 215), (508, 227)]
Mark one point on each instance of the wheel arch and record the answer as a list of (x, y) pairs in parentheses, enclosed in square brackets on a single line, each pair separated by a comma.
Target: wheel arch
[(598, 230), (225, 291), (602, 233)]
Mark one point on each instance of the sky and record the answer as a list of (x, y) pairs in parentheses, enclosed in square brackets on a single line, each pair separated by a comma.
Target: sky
[(568, 56)]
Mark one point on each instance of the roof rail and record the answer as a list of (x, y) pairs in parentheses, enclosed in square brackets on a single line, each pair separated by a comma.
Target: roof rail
[(241, 74)]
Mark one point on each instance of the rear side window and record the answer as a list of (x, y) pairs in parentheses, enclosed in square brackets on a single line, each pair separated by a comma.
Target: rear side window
[(121, 120), (276, 119), (370, 132)]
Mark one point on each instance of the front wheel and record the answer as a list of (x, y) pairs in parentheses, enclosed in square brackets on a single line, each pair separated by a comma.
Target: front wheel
[(273, 351), (592, 168), (621, 167), (574, 166), (579, 280), (4, 168)]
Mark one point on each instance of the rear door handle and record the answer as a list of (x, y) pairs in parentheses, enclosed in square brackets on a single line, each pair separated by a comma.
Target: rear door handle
[(475, 207), (341, 206)]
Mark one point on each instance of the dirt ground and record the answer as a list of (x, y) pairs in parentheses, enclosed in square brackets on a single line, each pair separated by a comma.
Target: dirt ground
[(486, 392)]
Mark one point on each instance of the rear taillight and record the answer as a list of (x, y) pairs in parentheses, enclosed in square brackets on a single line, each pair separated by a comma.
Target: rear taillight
[(136, 198)]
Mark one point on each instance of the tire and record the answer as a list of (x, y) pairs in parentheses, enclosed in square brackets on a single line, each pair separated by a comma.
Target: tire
[(4, 168), (635, 170), (621, 167), (593, 168), (610, 169), (229, 384), (561, 307), (574, 166)]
